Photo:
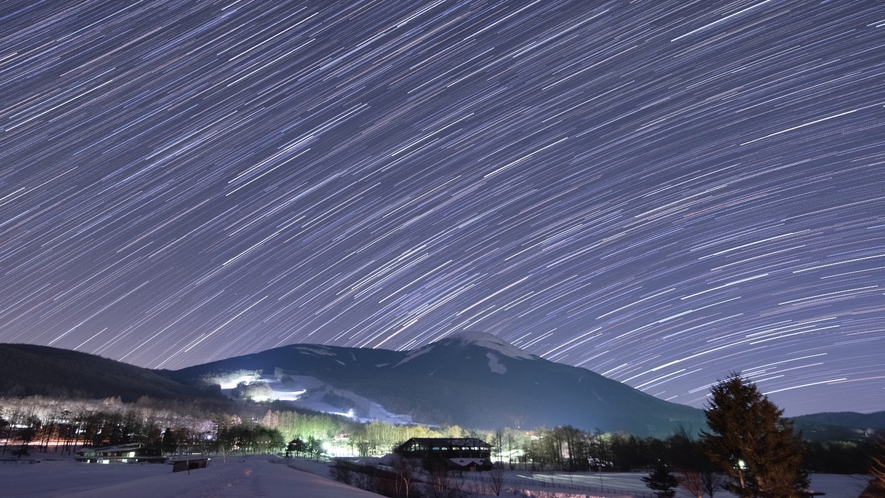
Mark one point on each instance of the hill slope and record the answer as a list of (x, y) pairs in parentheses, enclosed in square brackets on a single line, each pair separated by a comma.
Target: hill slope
[(27, 370), (840, 425)]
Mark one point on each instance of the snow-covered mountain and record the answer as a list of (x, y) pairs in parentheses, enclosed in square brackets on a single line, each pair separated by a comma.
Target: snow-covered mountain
[(470, 379)]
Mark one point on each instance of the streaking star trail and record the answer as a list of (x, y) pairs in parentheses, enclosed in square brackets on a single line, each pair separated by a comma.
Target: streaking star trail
[(663, 192)]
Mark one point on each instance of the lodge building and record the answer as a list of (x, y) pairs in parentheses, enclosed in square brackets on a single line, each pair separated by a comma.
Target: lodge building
[(457, 453), (123, 453)]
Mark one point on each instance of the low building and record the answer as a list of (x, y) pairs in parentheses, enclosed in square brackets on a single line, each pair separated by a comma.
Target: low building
[(189, 462), (123, 453), (457, 453)]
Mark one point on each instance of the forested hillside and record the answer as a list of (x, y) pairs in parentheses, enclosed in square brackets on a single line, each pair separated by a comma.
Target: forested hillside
[(27, 370)]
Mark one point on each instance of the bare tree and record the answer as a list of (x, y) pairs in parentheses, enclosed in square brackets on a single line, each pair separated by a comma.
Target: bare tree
[(14, 417), (496, 477), (692, 482), (456, 483), (712, 482), (27, 434), (439, 480), (405, 470), (341, 472)]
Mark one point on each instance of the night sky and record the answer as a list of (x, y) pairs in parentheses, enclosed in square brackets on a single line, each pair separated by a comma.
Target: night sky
[(663, 192)]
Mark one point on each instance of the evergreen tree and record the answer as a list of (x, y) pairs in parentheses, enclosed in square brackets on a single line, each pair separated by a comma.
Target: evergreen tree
[(876, 486), (297, 446), (662, 481), (752, 443), (3, 424), (169, 444)]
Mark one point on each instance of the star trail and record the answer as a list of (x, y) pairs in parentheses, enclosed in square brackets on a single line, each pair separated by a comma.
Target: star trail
[(662, 192)]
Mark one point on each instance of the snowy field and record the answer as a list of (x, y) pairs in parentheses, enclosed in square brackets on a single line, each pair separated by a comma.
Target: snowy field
[(268, 476), (833, 485), (252, 476), (613, 484)]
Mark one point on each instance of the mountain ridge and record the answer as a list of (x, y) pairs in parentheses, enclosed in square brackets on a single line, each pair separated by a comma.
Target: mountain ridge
[(474, 380)]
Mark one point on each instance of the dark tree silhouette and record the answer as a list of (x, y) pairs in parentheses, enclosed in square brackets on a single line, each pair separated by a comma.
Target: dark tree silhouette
[(876, 487), (751, 443), (3, 425), (169, 444), (662, 481), (711, 482), (296, 446)]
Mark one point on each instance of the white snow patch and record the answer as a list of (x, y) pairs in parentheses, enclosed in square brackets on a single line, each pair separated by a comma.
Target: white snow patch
[(317, 350), (489, 341), (365, 410), (495, 364), (284, 392), (414, 354), (308, 392)]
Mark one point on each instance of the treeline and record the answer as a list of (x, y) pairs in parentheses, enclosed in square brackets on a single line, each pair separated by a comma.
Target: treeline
[(63, 426), (571, 449), (46, 424)]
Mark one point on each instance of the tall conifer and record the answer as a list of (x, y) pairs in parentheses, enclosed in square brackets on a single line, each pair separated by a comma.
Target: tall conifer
[(876, 488), (752, 443)]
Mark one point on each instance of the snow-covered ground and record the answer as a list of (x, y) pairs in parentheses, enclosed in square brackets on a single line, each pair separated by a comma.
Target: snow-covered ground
[(254, 476), (614, 484), (268, 476)]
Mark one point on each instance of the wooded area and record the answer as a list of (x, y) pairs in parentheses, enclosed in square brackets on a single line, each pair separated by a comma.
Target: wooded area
[(45, 424)]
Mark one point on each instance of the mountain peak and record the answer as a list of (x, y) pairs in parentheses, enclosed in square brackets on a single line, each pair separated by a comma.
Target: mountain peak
[(489, 341)]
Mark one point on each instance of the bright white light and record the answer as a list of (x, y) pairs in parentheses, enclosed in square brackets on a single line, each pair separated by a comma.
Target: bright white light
[(349, 413), (288, 395), (234, 382)]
